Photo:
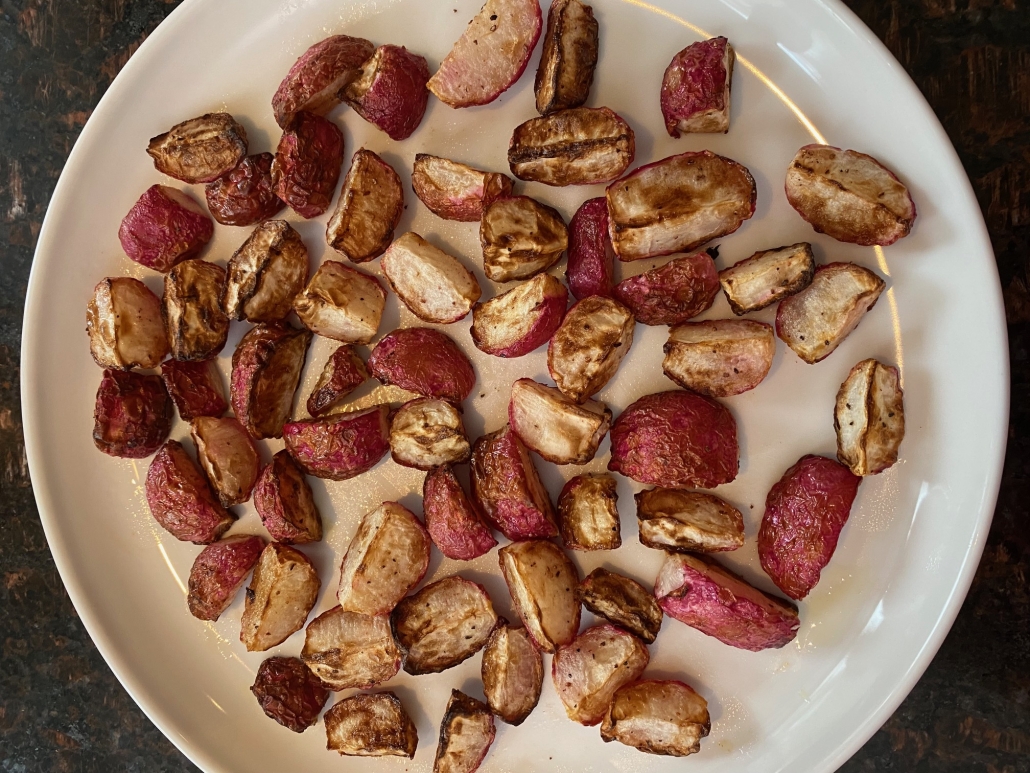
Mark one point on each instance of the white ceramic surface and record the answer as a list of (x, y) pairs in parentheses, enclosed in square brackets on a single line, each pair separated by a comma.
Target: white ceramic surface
[(807, 69)]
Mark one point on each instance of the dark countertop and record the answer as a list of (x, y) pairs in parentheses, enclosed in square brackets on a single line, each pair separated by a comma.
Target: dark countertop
[(61, 709)]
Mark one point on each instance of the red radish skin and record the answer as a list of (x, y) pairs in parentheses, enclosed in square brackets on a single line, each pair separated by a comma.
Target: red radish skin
[(673, 293), (341, 446), (195, 387), (163, 228), (132, 416), (453, 522), (425, 361), (318, 77), (590, 265), (391, 93), (219, 572), (307, 164), (245, 196), (696, 88)]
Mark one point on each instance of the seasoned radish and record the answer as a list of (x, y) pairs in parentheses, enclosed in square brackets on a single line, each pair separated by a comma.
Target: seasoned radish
[(588, 347), (307, 164), (466, 733), (218, 573), (542, 582), (589, 513), (805, 512), (428, 432), (673, 293), (709, 598), (435, 286), (370, 206), (374, 725), (132, 415), (280, 596), (588, 670), (507, 488), (192, 308), (849, 196), (688, 521), (767, 277), (719, 357), (675, 439), (622, 601), (455, 191), (513, 673), (696, 88), (180, 499), (266, 273), (443, 624), (347, 649), (340, 446), (288, 693), (490, 55), (341, 303), (283, 500), (163, 228), (520, 238), (452, 520), (391, 91), (342, 373), (554, 426), (567, 58), (677, 204), (424, 361), (265, 372), (227, 456), (589, 268), (318, 78), (657, 717), (195, 387), (815, 321), (869, 418), (200, 150), (386, 558), (518, 321), (579, 146), (124, 323), (246, 195)]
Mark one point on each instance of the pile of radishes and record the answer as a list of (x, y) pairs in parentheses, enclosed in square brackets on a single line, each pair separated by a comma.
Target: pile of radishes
[(676, 441)]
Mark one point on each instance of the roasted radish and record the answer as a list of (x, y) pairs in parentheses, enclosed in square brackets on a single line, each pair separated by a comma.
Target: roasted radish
[(675, 439), (490, 55), (466, 733), (289, 693), (869, 418), (709, 598), (246, 195), (132, 415), (849, 196), (427, 433), (227, 456), (341, 303), (719, 357), (622, 601), (507, 488), (805, 512), (370, 206), (696, 88), (589, 513), (125, 327), (767, 277), (554, 426), (542, 582), (657, 717), (180, 499), (455, 191), (375, 725), (343, 372), (346, 649), (163, 228), (266, 273), (424, 361), (192, 308), (677, 204), (391, 91), (195, 387), (673, 293), (520, 238), (518, 321), (283, 500), (513, 673), (280, 596), (219, 572), (200, 150), (588, 670), (568, 57), (317, 79), (307, 164), (386, 558), (341, 445), (589, 268), (688, 521), (452, 521), (443, 624), (265, 372), (815, 321), (588, 347), (434, 286)]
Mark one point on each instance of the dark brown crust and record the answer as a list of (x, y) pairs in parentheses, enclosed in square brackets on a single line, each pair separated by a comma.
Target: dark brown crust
[(622, 601), (376, 741), (551, 92), (462, 710)]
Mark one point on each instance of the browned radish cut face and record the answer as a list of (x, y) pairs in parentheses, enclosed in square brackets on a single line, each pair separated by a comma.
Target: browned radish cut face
[(719, 357), (658, 717), (518, 321), (870, 418), (542, 582), (520, 238), (435, 286), (688, 521), (427, 433), (456, 191), (266, 273), (513, 673), (200, 150), (370, 206), (696, 88), (125, 326), (192, 308), (767, 277), (266, 369), (347, 649), (374, 725), (228, 457), (466, 733), (341, 303), (282, 592), (586, 350), (554, 426), (589, 513), (622, 601), (568, 57)]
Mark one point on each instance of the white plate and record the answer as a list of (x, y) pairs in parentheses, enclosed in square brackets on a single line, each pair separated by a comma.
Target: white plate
[(806, 69)]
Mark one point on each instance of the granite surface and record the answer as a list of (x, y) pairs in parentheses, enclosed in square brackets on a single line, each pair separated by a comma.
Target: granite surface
[(61, 709)]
